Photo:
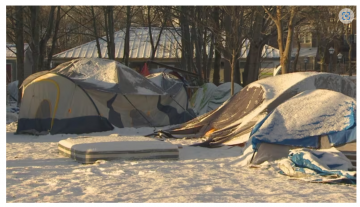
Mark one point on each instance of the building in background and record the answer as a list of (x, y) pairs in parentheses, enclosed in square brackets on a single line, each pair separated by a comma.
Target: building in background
[(168, 51), (11, 65)]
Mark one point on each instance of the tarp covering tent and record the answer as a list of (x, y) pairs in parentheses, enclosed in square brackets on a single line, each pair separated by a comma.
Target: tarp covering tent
[(88, 95), (320, 166), (302, 119), (232, 122), (171, 84), (12, 90), (209, 97)]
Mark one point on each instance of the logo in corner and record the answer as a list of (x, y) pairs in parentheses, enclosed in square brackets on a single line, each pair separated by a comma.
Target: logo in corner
[(346, 16)]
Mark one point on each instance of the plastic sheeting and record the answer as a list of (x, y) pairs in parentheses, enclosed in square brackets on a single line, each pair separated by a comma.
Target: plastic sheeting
[(209, 97), (318, 166), (12, 90)]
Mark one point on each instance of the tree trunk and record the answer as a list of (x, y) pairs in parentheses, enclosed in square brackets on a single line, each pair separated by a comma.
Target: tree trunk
[(217, 60), (297, 52), (19, 33), (186, 40), (195, 41), (284, 49), (210, 58), (35, 37), (233, 57), (237, 78), (228, 44), (54, 38), (45, 39), (96, 33), (322, 62), (348, 41), (350, 50), (111, 43), (254, 57), (127, 36), (256, 46)]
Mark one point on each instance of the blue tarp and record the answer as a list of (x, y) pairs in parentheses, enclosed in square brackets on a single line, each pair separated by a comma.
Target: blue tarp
[(318, 166)]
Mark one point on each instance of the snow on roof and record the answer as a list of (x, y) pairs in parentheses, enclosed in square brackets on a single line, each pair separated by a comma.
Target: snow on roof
[(140, 46), (306, 52), (11, 50)]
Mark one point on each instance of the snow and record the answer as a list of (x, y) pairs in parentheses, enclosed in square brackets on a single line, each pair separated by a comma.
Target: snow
[(310, 113), (102, 75), (12, 112), (144, 91), (130, 76), (36, 172), (276, 86), (112, 144)]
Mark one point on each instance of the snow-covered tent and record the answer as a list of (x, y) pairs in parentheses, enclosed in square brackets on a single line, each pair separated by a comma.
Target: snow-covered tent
[(209, 97), (92, 94), (232, 122), (312, 119)]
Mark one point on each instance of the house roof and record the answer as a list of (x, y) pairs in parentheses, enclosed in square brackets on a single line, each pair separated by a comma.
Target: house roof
[(140, 46), (11, 50), (306, 52)]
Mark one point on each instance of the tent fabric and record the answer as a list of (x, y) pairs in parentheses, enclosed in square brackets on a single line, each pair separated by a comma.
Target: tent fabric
[(242, 111), (302, 119), (89, 95), (145, 70), (12, 90), (71, 110), (107, 75), (318, 166), (209, 97)]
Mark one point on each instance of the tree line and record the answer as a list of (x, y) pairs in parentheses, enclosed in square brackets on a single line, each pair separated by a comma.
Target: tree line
[(208, 34)]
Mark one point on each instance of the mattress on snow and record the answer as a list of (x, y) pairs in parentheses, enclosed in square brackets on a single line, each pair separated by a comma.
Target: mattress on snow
[(90, 149)]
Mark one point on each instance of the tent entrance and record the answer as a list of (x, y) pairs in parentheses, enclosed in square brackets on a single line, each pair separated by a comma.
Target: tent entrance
[(44, 110), (45, 105)]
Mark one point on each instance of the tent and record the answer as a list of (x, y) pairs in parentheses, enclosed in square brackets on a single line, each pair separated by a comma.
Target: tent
[(232, 122), (12, 90), (316, 119), (209, 97), (92, 94)]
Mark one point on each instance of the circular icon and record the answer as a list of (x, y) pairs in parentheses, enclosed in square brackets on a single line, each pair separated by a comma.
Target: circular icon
[(346, 16)]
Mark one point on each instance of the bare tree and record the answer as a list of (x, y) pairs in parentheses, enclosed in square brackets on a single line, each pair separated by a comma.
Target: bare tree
[(54, 38), (96, 32), (19, 32), (233, 39), (150, 17), (217, 42), (279, 19), (35, 37), (127, 36), (109, 29)]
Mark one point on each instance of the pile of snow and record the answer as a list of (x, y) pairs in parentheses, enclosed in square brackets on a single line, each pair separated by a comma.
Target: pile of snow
[(101, 73)]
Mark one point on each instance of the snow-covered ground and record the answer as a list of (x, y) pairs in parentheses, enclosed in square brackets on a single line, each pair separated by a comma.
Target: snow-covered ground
[(35, 172)]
